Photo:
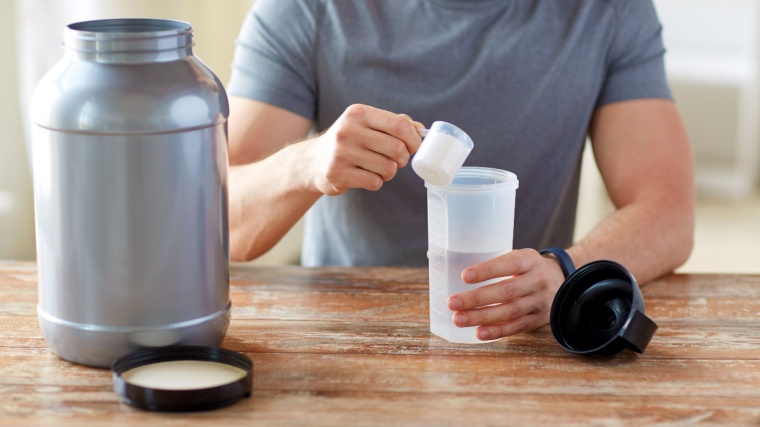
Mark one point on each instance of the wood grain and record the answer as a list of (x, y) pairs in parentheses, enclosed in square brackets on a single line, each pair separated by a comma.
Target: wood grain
[(339, 346)]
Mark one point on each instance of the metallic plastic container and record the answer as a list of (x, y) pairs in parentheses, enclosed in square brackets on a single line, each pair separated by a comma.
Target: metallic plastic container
[(130, 188)]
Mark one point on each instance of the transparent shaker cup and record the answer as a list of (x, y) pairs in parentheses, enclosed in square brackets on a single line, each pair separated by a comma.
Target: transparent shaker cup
[(469, 221), (442, 153)]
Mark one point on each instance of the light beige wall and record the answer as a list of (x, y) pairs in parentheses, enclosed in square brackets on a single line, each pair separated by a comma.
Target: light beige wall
[(16, 217)]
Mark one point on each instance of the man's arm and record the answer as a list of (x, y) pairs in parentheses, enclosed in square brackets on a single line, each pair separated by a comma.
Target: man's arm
[(257, 179), (645, 159), (646, 162), (275, 176)]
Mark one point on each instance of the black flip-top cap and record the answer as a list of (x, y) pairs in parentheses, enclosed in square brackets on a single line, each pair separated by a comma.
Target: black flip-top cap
[(599, 309), (170, 399)]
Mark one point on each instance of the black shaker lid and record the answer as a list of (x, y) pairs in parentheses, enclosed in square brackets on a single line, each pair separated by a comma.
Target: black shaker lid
[(182, 378), (599, 309)]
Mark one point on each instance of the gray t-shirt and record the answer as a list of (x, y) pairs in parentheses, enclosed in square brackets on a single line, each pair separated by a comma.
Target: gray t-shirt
[(522, 78)]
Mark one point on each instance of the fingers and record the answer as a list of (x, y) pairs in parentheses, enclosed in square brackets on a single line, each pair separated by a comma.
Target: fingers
[(337, 183), (363, 149), (505, 290), (522, 324), (399, 126), (385, 145), (512, 263), (500, 313), (502, 320), (418, 126), (520, 302)]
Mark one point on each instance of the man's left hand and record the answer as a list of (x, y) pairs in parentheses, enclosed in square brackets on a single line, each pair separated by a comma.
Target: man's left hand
[(519, 302)]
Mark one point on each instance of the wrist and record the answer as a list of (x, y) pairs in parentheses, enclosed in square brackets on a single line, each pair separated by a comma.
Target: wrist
[(299, 161), (562, 258)]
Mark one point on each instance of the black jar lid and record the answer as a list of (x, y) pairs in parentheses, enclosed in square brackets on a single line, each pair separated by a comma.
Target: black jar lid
[(157, 379)]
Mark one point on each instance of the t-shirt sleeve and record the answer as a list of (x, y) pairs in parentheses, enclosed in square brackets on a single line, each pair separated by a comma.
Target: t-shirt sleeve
[(274, 55), (636, 60)]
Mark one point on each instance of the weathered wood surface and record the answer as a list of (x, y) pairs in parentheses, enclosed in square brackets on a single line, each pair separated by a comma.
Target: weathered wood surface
[(339, 346)]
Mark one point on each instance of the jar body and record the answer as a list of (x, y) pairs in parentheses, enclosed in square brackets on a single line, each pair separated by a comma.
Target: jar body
[(130, 183)]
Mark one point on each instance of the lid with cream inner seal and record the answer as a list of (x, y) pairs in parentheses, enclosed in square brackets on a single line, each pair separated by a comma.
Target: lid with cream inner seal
[(182, 378)]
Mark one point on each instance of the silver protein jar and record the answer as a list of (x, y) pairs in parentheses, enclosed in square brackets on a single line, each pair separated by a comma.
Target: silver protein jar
[(130, 188)]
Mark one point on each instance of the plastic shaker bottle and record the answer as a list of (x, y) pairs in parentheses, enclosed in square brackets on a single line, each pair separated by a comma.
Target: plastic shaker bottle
[(469, 221)]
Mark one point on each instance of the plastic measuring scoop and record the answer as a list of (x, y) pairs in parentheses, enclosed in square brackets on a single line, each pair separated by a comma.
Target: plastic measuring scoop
[(443, 151)]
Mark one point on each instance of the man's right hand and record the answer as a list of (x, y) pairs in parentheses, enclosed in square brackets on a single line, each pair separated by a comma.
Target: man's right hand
[(273, 180), (364, 148)]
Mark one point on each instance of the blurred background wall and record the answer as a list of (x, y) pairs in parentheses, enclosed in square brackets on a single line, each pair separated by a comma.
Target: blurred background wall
[(713, 65)]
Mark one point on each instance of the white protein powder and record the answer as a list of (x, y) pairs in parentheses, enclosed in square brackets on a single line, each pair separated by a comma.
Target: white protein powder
[(439, 158), (183, 375)]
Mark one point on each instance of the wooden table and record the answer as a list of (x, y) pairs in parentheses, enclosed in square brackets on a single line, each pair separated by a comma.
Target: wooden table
[(339, 346)]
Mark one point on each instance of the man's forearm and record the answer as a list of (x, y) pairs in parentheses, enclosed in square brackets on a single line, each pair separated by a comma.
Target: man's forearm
[(645, 159), (266, 199), (650, 238)]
